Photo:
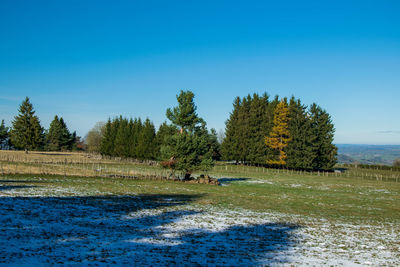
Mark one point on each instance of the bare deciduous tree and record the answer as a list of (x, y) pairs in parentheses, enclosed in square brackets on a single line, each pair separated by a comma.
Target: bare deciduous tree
[(94, 136)]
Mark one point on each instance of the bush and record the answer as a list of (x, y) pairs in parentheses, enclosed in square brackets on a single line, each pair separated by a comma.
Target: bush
[(396, 163)]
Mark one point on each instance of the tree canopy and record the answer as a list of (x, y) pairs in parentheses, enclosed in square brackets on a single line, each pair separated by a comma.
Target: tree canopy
[(184, 115), (311, 132), (279, 136), (129, 138), (58, 137), (259, 130), (4, 135), (94, 137), (191, 146), (26, 132)]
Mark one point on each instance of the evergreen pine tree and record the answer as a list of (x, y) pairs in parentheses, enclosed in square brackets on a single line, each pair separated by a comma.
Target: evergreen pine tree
[(114, 130), (143, 146), (258, 126), (230, 144), (213, 144), (66, 138), (131, 145), (268, 124), (74, 143), (278, 138), (26, 132), (121, 147), (137, 130), (146, 142), (53, 135), (4, 141), (189, 147), (58, 136), (323, 132), (165, 131), (184, 115), (299, 150), (244, 129)]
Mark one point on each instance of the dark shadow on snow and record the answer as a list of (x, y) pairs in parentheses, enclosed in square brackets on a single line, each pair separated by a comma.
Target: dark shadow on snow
[(230, 180), (129, 230)]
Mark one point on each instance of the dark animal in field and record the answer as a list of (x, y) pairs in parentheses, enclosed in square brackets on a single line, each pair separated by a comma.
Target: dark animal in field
[(169, 163)]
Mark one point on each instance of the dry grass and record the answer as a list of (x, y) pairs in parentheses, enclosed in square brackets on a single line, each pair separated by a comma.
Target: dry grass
[(90, 165), (72, 164), (47, 157)]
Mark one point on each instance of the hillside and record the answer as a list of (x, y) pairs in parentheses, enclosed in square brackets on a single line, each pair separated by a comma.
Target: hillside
[(368, 154)]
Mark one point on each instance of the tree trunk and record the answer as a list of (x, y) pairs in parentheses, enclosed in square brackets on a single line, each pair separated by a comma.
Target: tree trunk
[(187, 176)]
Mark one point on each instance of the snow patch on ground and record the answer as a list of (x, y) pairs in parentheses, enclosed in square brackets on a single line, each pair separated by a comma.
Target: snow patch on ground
[(50, 225)]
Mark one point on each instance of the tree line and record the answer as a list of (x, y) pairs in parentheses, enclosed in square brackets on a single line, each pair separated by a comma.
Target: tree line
[(304, 140), (277, 132), (128, 138), (26, 133), (185, 144), (134, 138)]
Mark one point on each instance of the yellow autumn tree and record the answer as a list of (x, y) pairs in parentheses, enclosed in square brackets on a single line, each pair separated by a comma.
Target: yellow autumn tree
[(279, 137)]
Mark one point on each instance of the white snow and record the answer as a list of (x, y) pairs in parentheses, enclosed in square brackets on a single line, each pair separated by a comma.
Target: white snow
[(62, 226)]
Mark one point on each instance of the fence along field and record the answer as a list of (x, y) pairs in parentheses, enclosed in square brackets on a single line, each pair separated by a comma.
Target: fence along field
[(72, 164), (89, 165)]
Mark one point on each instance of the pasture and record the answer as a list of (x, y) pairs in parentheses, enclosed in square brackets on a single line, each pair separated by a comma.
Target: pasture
[(62, 208)]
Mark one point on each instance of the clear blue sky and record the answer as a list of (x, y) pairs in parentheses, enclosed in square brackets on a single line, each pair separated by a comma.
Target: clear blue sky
[(89, 60)]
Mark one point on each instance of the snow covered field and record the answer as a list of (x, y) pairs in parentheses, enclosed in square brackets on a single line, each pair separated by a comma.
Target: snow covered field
[(57, 225)]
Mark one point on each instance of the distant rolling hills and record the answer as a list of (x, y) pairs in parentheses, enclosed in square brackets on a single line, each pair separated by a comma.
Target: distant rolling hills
[(368, 154)]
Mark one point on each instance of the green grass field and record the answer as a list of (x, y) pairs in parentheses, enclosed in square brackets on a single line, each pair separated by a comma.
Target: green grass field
[(331, 198), (355, 195), (336, 219)]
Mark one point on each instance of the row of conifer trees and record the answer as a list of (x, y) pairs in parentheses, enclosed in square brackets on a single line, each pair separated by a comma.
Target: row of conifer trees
[(28, 134), (303, 140), (58, 137), (131, 138), (310, 134)]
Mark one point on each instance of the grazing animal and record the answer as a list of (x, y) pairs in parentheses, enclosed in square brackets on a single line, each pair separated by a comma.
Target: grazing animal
[(169, 163)]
